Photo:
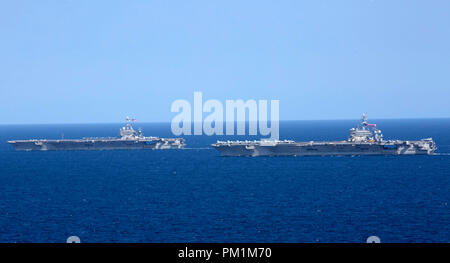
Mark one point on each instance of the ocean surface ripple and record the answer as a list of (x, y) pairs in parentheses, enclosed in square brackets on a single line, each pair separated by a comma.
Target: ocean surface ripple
[(194, 195)]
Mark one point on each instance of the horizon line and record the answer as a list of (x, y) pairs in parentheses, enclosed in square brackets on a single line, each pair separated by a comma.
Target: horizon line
[(161, 122)]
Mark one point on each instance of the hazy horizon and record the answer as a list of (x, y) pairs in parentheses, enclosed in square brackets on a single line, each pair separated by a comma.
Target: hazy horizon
[(168, 122)]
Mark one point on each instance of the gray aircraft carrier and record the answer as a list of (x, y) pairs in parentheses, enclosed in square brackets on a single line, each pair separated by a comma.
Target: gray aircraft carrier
[(129, 140), (364, 140)]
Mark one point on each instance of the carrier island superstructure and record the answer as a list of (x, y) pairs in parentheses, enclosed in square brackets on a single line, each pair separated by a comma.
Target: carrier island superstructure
[(129, 140), (365, 139)]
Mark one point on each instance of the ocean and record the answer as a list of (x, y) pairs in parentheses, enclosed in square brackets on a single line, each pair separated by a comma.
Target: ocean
[(195, 195)]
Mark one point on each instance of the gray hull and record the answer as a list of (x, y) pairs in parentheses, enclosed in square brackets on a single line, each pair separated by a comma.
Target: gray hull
[(260, 148), (364, 140), (129, 140), (97, 144)]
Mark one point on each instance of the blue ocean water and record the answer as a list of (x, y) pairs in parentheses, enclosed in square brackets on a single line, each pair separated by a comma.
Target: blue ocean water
[(194, 195)]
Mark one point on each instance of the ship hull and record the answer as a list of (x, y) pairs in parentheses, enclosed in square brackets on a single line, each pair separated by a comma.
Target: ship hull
[(363, 140), (73, 145), (129, 140), (323, 149)]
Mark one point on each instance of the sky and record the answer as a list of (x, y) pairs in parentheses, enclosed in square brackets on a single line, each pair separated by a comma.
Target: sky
[(99, 61)]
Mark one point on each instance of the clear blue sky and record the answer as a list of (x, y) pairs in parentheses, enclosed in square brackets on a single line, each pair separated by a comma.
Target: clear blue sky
[(98, 61)]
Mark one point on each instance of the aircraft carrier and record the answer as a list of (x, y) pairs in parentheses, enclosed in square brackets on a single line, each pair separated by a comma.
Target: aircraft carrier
[(129, 140), (365, 139)]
